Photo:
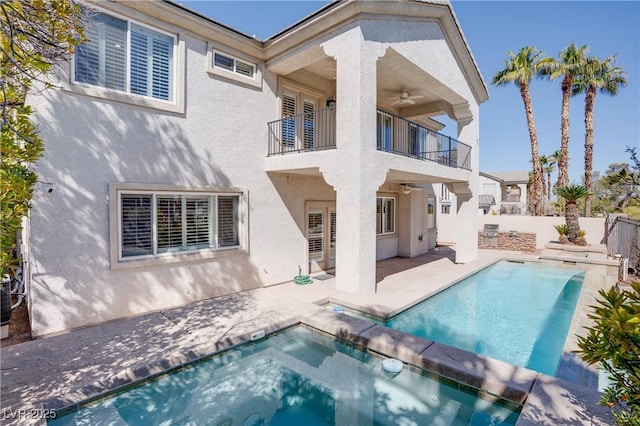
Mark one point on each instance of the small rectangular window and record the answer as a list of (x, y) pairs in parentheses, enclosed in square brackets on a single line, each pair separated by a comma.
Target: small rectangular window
[(229, 63), (223, 62)]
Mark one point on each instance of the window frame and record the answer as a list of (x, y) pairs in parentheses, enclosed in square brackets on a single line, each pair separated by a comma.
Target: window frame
[(383, 220), (186, 252), (130, 24), (305, 132), (431, 212), (177, 89), (235, 60), (214, 48)]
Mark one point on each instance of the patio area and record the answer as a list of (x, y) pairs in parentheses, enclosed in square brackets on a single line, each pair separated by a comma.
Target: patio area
[(70, 367)]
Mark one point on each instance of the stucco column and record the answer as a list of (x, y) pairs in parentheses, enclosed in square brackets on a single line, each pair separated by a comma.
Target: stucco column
[(354, 175), (467, 195)]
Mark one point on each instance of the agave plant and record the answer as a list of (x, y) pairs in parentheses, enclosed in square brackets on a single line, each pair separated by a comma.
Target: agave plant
[(562, 229), (571, 194)]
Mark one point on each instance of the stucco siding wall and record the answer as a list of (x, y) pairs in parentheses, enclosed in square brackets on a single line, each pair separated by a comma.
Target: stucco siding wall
[(218, 141)]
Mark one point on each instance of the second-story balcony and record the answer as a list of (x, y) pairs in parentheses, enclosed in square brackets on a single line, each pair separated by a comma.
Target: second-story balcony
[(316, 130)]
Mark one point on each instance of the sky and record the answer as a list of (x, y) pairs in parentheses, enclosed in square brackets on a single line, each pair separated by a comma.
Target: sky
[(493, 28)]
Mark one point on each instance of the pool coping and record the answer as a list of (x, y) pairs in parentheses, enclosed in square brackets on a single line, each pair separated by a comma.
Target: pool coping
[(529, 389)]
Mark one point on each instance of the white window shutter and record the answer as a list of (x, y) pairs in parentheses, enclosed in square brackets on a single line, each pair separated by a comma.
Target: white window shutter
[(308, 133), (169, 228), (138, 68), (162, 47), (197, 222), (136, 225), (151, 63), (102, 60), (288, 124), (227, 221)]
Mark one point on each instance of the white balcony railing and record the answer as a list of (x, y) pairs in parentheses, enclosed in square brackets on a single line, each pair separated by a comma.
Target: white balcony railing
[(316, 130)]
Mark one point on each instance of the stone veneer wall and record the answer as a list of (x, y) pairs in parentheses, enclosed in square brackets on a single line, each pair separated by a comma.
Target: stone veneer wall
[(522, 241)]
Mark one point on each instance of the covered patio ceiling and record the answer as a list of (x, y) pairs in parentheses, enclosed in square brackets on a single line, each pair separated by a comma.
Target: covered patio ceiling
[(395, 74)]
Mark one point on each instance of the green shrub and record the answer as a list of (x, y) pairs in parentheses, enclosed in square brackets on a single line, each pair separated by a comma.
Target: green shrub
[(563, 229), (614, 343)]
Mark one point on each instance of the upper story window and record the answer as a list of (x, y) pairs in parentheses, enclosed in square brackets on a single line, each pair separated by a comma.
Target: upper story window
[(234, 65), (127, 57)]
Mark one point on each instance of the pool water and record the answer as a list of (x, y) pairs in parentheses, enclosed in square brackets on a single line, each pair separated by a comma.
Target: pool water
[(518, 313), (297, 377)]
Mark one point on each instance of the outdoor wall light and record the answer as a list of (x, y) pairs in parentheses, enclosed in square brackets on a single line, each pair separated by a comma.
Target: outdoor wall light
[(406, 189), (331, 102)]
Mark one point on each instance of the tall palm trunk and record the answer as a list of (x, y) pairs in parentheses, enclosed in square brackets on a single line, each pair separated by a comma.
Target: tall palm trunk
[(589, 103), (563, 161), (571, 218), (549, 192), (536, 191)]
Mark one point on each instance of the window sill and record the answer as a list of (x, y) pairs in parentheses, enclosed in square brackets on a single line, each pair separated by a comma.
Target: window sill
[(176, 258), (102, 93), (386, 236), (228, 75)]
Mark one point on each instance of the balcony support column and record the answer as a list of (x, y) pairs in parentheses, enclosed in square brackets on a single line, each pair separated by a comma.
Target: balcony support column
[(354, 176), (467, 196)]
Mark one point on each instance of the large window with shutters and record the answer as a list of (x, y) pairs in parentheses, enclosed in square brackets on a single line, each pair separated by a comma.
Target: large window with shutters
[(128, 57), (385, 215), (154, 223)]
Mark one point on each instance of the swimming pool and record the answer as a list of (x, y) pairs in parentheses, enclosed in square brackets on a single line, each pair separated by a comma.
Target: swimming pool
[(518, 313), (295, 377)]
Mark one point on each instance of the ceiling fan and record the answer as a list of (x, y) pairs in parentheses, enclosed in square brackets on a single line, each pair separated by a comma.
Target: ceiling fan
[(405, 98)]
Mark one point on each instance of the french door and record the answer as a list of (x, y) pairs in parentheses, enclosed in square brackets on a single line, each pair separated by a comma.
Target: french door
[(321, 235)]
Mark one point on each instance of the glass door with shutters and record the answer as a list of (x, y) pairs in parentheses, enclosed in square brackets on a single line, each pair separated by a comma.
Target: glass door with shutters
[(299, 129), (321, 235)]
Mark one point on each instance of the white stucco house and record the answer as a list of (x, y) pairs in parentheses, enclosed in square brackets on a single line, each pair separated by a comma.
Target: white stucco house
[(186, 160), (503, 193)]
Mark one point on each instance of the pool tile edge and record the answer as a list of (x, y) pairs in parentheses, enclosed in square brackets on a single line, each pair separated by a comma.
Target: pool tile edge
[(70, 401), (499, 378)]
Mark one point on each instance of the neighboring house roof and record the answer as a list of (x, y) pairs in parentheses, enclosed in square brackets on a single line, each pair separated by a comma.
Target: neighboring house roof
[(511, 177), (486, 200), (488, 176)]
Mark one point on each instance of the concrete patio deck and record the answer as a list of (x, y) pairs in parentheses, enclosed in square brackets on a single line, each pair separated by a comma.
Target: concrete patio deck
[(68, 368)]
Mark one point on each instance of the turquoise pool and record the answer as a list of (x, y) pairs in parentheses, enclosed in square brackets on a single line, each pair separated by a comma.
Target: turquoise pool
[(297, 377), (518, 313)]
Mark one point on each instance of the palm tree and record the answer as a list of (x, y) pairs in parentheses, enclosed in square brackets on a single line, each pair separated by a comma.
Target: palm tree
[(547, 162), (544, 161), (596, 76), (548, 168), (571, 61), (556, 159), (519, 69), (571, 194)]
